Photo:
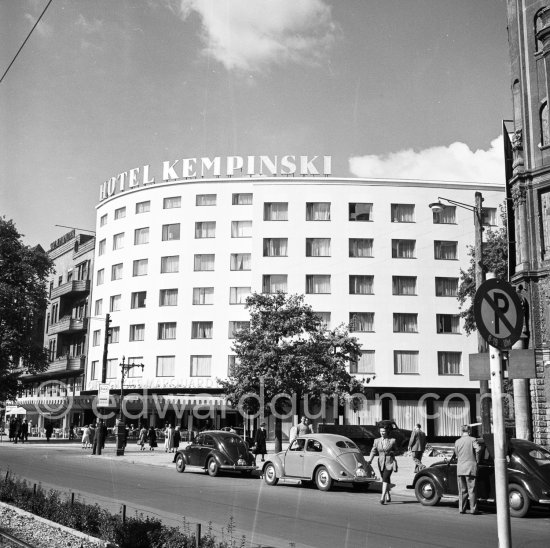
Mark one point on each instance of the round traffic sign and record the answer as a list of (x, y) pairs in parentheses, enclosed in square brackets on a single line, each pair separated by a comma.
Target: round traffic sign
[(498, 313)]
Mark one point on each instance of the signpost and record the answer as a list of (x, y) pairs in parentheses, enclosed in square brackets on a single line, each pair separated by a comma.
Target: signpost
[(103, 393)]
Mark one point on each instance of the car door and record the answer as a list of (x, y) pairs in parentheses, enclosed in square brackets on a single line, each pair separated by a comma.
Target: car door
[(450, 474), (313, 452), (208, 444), (294, 458), (193, 451)]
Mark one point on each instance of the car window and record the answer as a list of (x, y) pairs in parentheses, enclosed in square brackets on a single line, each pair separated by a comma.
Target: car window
[(346, 444), (208, 440), (297, 445), (541, 456), (199, 440), (314, 446)]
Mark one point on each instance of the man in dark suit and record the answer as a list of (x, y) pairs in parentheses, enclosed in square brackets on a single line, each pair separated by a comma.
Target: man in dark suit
[(417, 446), (467, 452)]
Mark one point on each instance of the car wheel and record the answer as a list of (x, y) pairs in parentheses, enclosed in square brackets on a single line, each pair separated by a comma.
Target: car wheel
[(180, 463), (519, 500), (323, 479), (212, 467), (427, 491), (270, 475)]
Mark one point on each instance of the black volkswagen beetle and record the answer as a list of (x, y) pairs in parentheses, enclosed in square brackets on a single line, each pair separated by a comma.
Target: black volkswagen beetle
[(214, 451), (528, 477)]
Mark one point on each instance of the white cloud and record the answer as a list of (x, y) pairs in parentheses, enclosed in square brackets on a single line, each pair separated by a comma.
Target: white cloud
[(89, 26), (453, 163), (252, 34)]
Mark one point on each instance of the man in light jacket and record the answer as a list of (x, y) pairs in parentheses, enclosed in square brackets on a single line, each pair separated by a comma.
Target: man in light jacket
[(467, 452)]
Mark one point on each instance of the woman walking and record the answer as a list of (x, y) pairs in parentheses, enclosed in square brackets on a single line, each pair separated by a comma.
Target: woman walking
[(142, 438), (384, 448), (152, 438), (86, 442)]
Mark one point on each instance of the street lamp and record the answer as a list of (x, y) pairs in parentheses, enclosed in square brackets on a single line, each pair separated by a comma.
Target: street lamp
[(479, 269)]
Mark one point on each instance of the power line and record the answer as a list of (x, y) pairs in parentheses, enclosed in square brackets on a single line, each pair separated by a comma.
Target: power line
[(28, 36)]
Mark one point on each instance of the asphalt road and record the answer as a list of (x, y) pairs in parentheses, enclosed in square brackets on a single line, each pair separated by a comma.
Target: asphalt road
[(270, 516)]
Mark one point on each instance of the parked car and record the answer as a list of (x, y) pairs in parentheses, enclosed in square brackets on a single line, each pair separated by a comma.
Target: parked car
[(241, 432), (214, 451), (320, 458), (528, 477)]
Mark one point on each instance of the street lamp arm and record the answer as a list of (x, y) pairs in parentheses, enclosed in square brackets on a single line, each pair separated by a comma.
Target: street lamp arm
[(469, 207)]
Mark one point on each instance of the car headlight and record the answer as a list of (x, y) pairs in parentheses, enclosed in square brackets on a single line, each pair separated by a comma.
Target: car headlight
[(241, 462), (360, 473)]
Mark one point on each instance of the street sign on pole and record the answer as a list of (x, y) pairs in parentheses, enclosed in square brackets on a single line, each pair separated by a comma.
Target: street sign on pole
[(103, 395)]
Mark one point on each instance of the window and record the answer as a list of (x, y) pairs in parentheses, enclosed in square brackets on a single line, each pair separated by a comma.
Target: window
[(403, 285), (448, 323), (140, 267), (201, 330), (360, 211), (100, 276), (137, 332), (166, 330), (169, 264), (446, 216), (241, 229), (118, 241), (365, 365), (449, 363), (204, 262), (141, 236), (201, 366), (205, 229), (489, 216), (544, 125), (317, 283), (171, 203), (361, 322), (114, 304), (116, 271), (166, 366), (237, 326), (317, 247), (318, 211), (403, 249), (445, 250), (101, 248), (96, 339), (275, 247), (143, 207), (206, 200), (120, 213), (271, 283), (276, 211), (405, 362), (93, 370), (238, 295), (360, 247), (405, 323), (446, 287), (114, 337), (138, 299), (203, 295), (240, 261), (324, 317), (168, 297), (103, 220), (112, 368), (135, 372), (402, 213), (98, 308), (242, 198), (170, 232), (361, 285)]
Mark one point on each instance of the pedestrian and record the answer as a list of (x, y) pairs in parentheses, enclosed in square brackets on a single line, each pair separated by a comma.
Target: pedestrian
[(260, 442), (384, 448), (467, 451), (16, 430), (417, 446), (142, 438), (11, 429), (177, 438), (304, 428), (92, 434), (168, 438), (86, 438), (49, 430), (24, 431), (152, 438)]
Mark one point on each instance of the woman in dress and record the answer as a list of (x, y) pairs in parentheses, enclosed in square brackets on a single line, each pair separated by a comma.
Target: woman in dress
[(384, 448), (86, 442), (152, 438), (142, 438)]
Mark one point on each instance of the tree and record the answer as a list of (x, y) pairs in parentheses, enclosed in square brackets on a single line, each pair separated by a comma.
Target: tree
[(23, 301), (288, 350)]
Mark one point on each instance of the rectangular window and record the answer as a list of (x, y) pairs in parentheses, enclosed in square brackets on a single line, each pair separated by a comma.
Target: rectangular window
[(140, 267), (275, 211), (166, 330), (171, 203), (168, 297), (272, 283), (206, 200), (100, 276), (166, 366), (170, 232), (204, 262), (98, 308), (114, 337), (120, 213), (112, 368), (135, 372), (141, 236), (402, 213), (118, 241), (445, 250), (103, 220), (201, 330), (116, 271), (405, 323), (138, 299), (275, 247), (237, 326), (143, 207), (114, 304), (242, 198), (445, 216), (317, 283), (324, 317), (96, 339), (489, 216), (361, 285), (360, 211), (449, 363), (137, 332), (317, 247), (403, 249), (94, 370), (403, 285), (318, 211), (448, 323), (170, 264), (365, 365), (240, 261), (360, 247), (241, 229), (361, 322), (446, 287), (238, 295), (203, 295), (101, 248), (405, 362), (201, 366), (205, 229)]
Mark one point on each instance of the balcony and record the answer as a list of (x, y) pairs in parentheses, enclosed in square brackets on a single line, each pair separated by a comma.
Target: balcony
[(73, 287), (67, 363), (68, 325)]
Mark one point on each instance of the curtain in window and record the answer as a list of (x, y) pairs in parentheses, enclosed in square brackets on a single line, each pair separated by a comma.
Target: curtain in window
[(448, 323), (276, 211), (171, 232), (137, 333), (115, 303), (446, 216), (203, 295), (170, 203), (166, 366), (116, 272), (317, 247), (168, 297), (275, 247), (318, 211), (240, 261), (445, 250), (103, 220), (206, 200), (405, 361), (361, 321), (405, 323), (138, 299), (318, 284), (135, 372), (100, 276), (360, 247), (120, 213), (365, 365), (101, 248), (361, 285), (170, 264), (324, 317), (402, 213), (241, 229), (237, 326), (167, 330), (404, 285), (140, 267), (544, 125), (450, 416), (274, 282), (242, 199), (93, 373), (141, 236), (446, 287), (98, 307), (118, 241), (403, 249), (114, 337), (489, 216), (449, 363), (201, 366), (96, 337), (143, 207), (205, 229), (238, 295), (204, 262), (201, 330), (112, 368), (409, 412)]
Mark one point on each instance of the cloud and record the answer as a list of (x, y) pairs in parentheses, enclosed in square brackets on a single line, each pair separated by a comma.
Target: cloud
[(251, 35), (88, 27), (453, 163), (42, 29)]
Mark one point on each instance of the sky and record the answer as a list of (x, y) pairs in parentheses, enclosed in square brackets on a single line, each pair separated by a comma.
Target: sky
[(389, 88)]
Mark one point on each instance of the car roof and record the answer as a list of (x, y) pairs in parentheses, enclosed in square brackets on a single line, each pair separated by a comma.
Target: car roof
[(325, 437)]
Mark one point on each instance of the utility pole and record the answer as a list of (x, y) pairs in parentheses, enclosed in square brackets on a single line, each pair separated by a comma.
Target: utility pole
[(100, 440)]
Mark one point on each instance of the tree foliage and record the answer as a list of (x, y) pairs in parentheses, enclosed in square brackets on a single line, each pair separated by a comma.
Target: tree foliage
[(23, 300)]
